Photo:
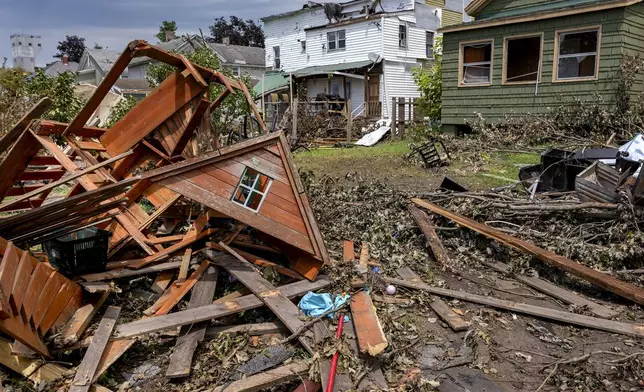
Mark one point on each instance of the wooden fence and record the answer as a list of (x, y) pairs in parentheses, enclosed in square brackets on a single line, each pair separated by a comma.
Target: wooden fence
[(404, 113)]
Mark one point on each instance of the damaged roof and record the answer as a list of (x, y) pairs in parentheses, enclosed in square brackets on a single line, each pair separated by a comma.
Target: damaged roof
[(240, 55)]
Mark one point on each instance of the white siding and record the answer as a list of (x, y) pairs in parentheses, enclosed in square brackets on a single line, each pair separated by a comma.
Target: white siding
[(321, 86), (415, 41), (357, 93), (361, 39), (399, 82), (317, 86)]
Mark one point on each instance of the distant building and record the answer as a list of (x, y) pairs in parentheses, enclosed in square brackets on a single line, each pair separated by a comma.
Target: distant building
[(24, 50), (61, 66)]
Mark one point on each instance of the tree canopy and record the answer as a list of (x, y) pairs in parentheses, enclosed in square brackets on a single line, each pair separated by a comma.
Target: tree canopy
[(166, 26), (238, 31), (73, 46)]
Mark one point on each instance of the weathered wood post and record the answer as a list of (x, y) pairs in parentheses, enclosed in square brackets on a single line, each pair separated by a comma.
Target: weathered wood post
[(401, 118), (296, 102), (349, 121), (394, 119)]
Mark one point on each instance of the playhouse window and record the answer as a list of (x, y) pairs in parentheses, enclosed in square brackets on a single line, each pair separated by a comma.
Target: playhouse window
[(577, 54), (252, 189), (522, 59), (476, 63)]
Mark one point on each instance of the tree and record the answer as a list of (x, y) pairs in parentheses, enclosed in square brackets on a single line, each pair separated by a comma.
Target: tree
[(73, 46), (97, 46), (166, 27), (238, 31), (430, 84)]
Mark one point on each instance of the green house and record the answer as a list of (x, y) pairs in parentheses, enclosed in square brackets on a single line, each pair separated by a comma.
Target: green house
[(526, 56)]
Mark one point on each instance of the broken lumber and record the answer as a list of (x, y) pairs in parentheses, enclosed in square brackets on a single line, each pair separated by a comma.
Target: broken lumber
[(176, 295), (348, 252), (192, 335), (260, 329), (371, 337), (123, 273), (162, 281), (554, 291), (440, 253), (14, 133), (89, 365), (455, 322), (531, 310), (267, 379), (73, 330), (276, 301), (214, 311), (606, 282)]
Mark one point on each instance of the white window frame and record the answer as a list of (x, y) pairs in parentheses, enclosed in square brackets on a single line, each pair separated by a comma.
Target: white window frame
[(303, 46), (277, 62), (506, 40), (461, 64), (251, 190), (403, 36), (336, 39), (557, 56), (429, 46)]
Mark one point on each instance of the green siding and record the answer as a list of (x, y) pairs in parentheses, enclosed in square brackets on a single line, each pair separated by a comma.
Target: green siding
[(633, 40), (508, 8), (506, 5), (496, 101)]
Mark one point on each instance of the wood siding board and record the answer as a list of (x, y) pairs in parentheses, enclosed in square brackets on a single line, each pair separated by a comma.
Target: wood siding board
[(23, 275), (263, 166), (262, 223), (8, 269), (70, 309), (41, 275), (63, 298), (48, 294), (162, 103)]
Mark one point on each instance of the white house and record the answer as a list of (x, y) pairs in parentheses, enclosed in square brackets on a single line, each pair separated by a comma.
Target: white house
[(356, 50)]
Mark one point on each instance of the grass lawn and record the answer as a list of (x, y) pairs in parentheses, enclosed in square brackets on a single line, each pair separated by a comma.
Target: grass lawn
[(386, 162)]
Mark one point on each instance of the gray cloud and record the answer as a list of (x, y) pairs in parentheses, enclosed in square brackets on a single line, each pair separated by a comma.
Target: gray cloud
[(113, 23)]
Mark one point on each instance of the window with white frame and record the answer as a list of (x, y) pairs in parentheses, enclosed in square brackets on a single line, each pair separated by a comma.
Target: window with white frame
[(303, 44), (476, 63), (429, 44), (252, 189), (277, 64), (577, 54), (336, 40), (402, 36)]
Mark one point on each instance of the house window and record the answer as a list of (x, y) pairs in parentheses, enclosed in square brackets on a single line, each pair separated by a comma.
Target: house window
[(336, 40), (347, 90), (475, 63), (429, 44), (252, 189), (577, 54), (277, 64), (303, 44), (522, 59), (334, 87), (402, 36)]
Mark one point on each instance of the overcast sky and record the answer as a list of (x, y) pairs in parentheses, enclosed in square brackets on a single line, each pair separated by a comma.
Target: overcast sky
[(113, 23)]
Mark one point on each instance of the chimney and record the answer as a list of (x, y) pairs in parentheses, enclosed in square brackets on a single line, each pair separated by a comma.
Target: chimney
[(225, 40), (65, 59), (169, 36)]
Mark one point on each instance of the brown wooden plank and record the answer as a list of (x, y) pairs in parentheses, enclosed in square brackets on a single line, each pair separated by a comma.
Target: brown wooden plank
[(39, 278), (193, 71), (288, 235), (188, 240), (348, 252), (259, 329), (36, 175), (531, 310), (185, 287), (79, 322), (455, 322), (554, 291), (123, 273), (258, 261), (371, 337), (190, 336), (23, 276), (253, 107), (175, 91), (363, 261), (440, 253), (195, 120), (89, 145), (263, 166), (276, 213), (113, 351), (17, 160), (89, 365), (277, 302), (214, 311), (267, 379), (597, 278), (58, 305), (49, 127), (185, 264), (14, 133), (48, 294), (21, 190), (8, 269), (70, 309)]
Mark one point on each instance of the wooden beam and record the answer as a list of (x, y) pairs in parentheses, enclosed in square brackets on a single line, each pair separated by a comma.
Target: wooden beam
[(193, 71), (191, 336), (260, 329), (62, 181), (79, 322), (371, 337), (123, 273), (276, 301), (554, 291), (49, 127), (86, 370), (348, 252), (185, 287), (427, 228), (267, 379), (193, 124), (253, 107), (17, 160), (185, 263), (162, 281), (636, 330), (258, 261), (214, 311), (606, 282), (14, 133)]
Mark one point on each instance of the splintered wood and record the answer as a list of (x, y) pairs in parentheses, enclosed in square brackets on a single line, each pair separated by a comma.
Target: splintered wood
[(371, 337)]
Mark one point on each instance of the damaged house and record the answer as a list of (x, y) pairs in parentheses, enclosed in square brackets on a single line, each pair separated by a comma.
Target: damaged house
[(363, 51), (521, 57)]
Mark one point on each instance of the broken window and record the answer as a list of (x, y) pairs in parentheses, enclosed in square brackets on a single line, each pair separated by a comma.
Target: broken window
[(476, 63), (429, 44), (252, 189), (336, 40), (276, 58), (402, 36), (522, 61), (303, 43), (577, 55)]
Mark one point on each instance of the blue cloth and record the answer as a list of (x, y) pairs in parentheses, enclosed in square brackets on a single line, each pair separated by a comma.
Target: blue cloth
[(315, 305)]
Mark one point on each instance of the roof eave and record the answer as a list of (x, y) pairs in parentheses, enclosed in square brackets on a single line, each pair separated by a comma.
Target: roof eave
[(538, 16)]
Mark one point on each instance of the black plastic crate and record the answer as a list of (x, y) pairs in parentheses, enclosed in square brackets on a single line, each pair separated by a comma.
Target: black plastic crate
[(82, 252)]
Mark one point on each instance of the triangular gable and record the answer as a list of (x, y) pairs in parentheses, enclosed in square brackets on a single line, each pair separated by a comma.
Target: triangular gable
[(283, 212)]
